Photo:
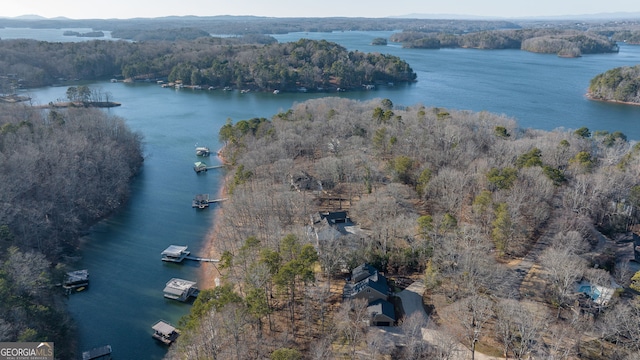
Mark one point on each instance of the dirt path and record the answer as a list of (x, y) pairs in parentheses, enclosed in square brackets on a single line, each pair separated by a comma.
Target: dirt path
[(525, 283)]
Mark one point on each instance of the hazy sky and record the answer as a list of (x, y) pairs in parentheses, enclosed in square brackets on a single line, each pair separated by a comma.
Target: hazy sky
[(125, 9)]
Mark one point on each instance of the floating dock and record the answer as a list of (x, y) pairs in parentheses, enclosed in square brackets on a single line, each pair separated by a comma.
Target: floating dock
[(202, 201), (103, 352), (165, 332), (180, 289), (178, 253)]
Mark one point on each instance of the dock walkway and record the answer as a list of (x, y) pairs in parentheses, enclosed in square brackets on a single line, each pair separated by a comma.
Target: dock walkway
[(201, 259), (202, 201)]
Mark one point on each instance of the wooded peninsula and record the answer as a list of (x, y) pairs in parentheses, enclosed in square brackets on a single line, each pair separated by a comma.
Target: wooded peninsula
[(497, 222), (208, 62)]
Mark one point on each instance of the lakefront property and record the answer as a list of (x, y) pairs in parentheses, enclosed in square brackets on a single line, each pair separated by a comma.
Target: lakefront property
[(486, 213)]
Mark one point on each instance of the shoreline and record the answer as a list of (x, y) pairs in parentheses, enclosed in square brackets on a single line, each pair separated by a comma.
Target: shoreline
[(209, 273), (589, 97)]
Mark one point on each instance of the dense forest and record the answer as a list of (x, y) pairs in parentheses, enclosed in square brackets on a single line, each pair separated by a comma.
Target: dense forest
[(217, 62), (60, 172), (142, 29), (499, 224), (620, 84), (564, 42)]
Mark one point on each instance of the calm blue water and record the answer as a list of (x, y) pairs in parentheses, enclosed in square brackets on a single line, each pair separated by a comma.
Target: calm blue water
[(52, 35), (123, 253)]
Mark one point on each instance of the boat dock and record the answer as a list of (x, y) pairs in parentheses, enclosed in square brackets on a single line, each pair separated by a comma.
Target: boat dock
[(180, 289), (202, 201), (200, 166), (178, 253), (165, 332), (202, 151), (103, 352), (76, 280)]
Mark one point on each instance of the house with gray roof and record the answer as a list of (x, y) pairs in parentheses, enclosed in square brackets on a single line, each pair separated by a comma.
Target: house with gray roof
[(371, 288), (369, 284), (382, 313)]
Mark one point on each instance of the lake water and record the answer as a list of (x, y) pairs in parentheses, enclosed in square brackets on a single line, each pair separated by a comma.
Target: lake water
[(52, 35), (123, 252)]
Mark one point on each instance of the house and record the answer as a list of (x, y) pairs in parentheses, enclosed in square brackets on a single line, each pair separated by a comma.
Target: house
[(369, 284), (362, 272), (372, 287), (335, 217), (328, 226), (382, 313)]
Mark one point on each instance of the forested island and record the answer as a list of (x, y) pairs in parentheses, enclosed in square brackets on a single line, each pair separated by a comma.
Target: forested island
[(563, 42), (621, 84), (60, 172), (211, 62), (500, 224)]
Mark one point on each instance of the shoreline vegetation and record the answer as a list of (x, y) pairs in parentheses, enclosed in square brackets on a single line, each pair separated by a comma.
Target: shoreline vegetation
[(80, 104), (567, 43), (62, 171), (210, 273), (247, 63), (610, 101)]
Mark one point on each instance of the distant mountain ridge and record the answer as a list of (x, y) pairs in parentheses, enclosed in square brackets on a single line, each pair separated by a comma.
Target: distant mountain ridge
[(34, 17), (598, 16)]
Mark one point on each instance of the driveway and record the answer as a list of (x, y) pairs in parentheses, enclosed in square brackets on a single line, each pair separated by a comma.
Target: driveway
[(411, 298)]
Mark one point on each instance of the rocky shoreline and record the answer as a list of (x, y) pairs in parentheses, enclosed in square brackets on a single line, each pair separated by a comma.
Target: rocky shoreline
[(591, 97)]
